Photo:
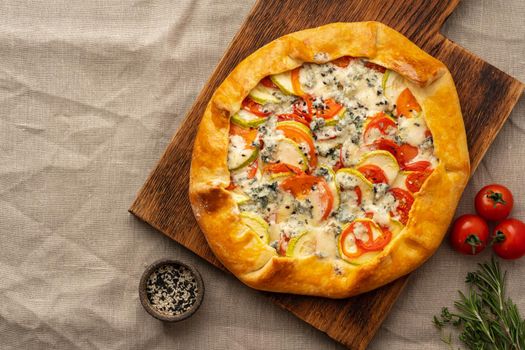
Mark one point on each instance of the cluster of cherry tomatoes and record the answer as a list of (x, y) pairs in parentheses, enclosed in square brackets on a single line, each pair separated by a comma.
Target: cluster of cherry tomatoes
[(470, 233)]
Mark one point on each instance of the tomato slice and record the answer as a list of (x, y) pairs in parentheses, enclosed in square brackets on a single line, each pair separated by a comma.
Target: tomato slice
[(253, 107), (296, 84), (375, 67), (330, 110), (407, 104), (231, 186), (378, 243), (418, 166), (266, 81), (405, 153), (294, 117), (283, 245), (373, 173), (359, 194), (301, 185), (380, 122), (303, 107), (253, 169), (247, 134), (350, 231), (386, 145), (343, 61), (282, 168), (405, 201), (415, 180), (299, 136)]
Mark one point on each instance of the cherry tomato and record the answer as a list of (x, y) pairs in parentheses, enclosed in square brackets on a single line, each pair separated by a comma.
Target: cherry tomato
[(470, 234), (494, 202), (509, 239), (415, 180), (407, 104), (405, 201), (373, 173), (253, 107), (344, 61)]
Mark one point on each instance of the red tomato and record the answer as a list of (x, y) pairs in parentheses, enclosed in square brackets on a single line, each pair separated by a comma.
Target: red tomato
[(350, 230), (418, 166), (283, 244), (494, 202), (359, 194), (303, 107), (386, 145), (294, 117), (344, 61), (376, 67), (378, 243), (373, 173), (415, 180), (470, 234), (247, 134), (299, 136), (379, 122), (231, 186), (253, 107), (509, 239), (330, 110), (301, 185), (296, 84), (268, 83), (407, 104), (405, 201), (253, 169), (283, 168), (405, 154)]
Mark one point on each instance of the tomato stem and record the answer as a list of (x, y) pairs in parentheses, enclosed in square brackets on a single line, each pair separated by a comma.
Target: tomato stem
[(474, 242), (496, 197)]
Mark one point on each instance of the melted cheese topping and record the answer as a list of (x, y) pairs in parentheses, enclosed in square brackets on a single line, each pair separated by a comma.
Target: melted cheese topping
[(292, 184)]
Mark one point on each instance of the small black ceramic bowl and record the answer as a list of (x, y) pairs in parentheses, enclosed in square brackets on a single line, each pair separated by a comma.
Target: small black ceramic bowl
[(171, 290)]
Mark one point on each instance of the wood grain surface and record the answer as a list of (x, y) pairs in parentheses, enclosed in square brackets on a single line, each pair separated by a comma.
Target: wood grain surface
[(487, 96)]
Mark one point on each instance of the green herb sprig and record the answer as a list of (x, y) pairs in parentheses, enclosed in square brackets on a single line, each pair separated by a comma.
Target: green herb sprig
[(486, 318)]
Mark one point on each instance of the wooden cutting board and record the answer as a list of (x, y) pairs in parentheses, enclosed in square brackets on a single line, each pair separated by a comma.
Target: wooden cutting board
[(487, 96)]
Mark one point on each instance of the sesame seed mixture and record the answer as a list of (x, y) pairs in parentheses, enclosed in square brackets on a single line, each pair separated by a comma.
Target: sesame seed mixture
[(172, 290)]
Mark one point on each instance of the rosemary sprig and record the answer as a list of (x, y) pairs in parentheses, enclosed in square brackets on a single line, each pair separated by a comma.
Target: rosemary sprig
[(486, 319)]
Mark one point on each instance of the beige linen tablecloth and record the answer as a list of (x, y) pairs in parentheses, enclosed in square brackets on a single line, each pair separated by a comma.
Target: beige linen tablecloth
[(90, 94)]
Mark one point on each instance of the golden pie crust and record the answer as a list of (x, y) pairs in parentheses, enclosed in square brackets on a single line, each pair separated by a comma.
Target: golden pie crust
[(257, 264)]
